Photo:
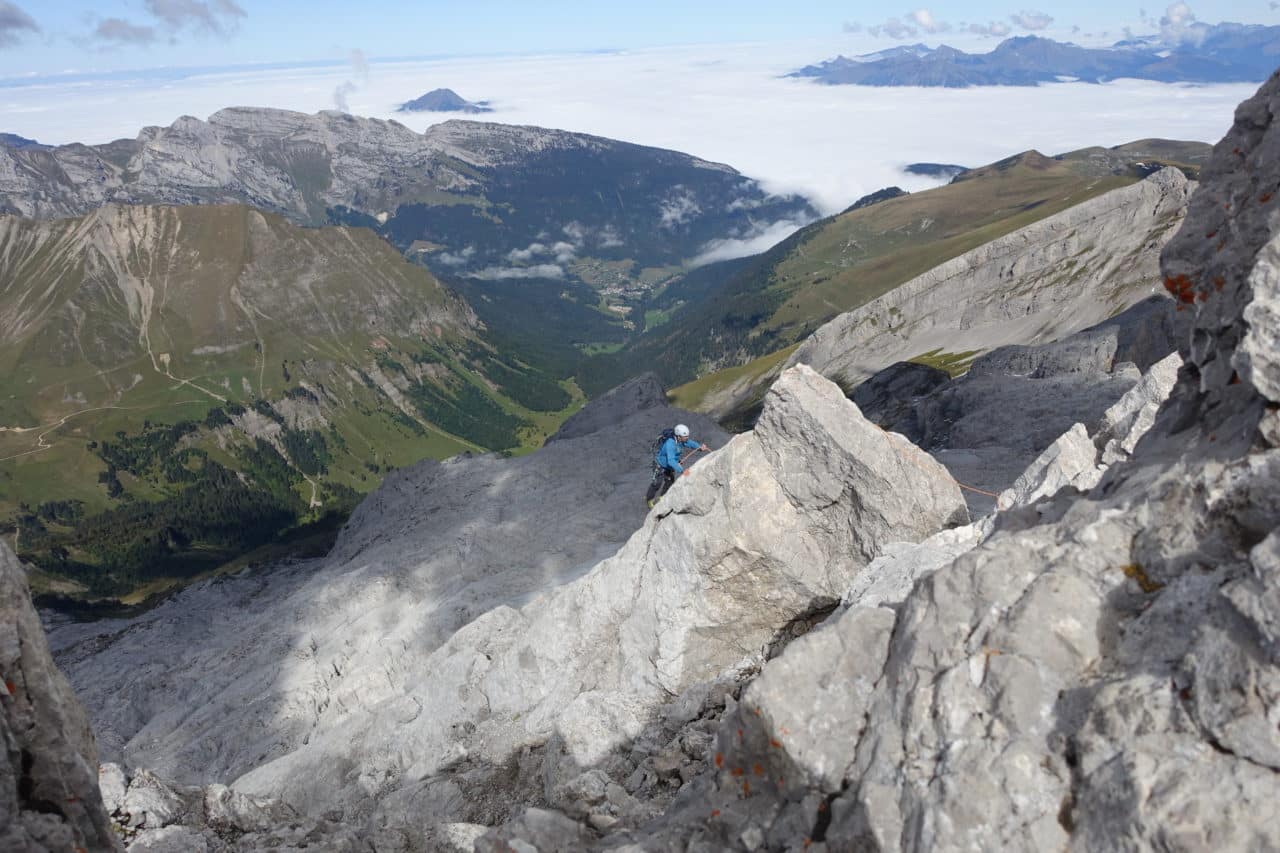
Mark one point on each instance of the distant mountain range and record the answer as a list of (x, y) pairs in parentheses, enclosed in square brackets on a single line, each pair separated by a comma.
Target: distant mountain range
[(444, 101), (1222, 53)]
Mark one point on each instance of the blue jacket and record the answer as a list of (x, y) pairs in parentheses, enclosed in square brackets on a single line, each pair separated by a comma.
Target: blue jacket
[(669, 454)]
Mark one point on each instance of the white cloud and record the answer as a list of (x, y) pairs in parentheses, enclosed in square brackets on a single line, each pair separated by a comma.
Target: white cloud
[(503, 273), (610, 238), (924, 20), (1178, 25), (993, 29), (852, 27), (1029, 20), (564, 252), (760, 239), (523, 256), (679, 209), (457, 259), (894, 28), (739, 110)]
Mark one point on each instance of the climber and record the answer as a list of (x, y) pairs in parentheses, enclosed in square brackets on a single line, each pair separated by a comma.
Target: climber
[(667, 463)]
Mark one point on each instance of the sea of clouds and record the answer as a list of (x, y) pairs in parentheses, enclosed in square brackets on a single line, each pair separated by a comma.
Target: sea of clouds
[(727, 103)]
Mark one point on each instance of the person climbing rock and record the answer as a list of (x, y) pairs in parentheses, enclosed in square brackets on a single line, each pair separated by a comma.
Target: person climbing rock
[(667, 462)]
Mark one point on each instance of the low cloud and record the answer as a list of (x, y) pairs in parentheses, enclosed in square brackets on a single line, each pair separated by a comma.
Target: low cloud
[(759, 240), (852, 27), (1178, 26), (120, 31), (925, 20), (1030, 20), (995, 29), (215, 17), (504, 273), (893, 28), (457, 259), (15, 24), (678, 209)]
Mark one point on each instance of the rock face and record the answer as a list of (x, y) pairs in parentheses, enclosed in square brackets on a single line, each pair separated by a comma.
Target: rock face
[(636, 395), (432, 187), (1041, 283), (1013, 404), (49, 798), (449, 684), (288, 652), (764, 531), (1100, 674)]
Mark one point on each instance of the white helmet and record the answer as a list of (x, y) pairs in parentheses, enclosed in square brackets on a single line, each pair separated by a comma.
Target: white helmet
[(682, 431)]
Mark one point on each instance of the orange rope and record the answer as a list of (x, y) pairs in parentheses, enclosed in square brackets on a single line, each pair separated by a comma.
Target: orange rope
[(959, 484)]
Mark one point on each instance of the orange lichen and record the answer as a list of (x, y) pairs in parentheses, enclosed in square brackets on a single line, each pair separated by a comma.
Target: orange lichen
[(1182, 288), (1219, 282), (715, 813), (775, 743), (737, 771), (746, 788), (1264, 198), (719, 759), (1211, 234), (1139, 575), (757, 769)]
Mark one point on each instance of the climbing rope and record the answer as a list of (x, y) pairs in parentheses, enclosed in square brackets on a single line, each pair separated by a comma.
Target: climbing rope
[(967, 488)]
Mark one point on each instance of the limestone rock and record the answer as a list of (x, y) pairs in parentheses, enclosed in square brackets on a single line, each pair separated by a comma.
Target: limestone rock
[(289, 652), (1068, 272), (1132, 415), (1104, 677), (764, 530), (49, 798)]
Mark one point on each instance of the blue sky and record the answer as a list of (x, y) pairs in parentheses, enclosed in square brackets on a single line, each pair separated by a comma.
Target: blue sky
[(54, 36)]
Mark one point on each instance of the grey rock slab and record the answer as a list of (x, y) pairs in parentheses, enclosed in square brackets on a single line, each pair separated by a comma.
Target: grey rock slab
[(288, 651), (761, 532), (1068, 272), (635, 395), (49, 797)]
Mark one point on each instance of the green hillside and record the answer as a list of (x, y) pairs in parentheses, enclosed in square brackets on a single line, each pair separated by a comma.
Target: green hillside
[(181, 386)]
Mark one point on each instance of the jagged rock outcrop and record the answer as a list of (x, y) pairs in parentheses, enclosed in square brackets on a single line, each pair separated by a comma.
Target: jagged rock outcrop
[(614, 407), (1013, 404), (49, 799), (1079, 459), (1100, 674), (1040, 283)]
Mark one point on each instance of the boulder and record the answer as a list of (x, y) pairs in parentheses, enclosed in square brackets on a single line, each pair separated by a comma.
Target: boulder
[(49, 798)]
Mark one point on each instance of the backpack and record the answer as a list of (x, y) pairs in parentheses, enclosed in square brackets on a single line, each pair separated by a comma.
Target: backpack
[(657, 445)]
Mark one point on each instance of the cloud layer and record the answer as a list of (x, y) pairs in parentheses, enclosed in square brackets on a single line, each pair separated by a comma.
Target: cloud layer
[(832, 143)]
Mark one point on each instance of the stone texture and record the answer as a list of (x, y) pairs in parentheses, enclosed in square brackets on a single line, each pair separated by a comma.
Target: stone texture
[(49, 799), (289, 652), (764, 530), (636, 395), (1043, 282), (888, 397), (1103, 675)]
